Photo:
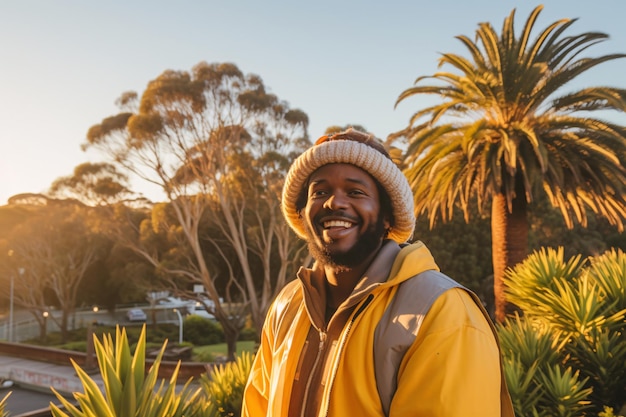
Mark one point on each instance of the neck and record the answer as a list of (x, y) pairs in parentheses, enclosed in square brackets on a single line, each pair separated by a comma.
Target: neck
[(340, 281), (339, 285)]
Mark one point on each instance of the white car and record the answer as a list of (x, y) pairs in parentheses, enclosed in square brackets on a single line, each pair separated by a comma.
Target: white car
[(136, 314), (174, 302), (200, 310)]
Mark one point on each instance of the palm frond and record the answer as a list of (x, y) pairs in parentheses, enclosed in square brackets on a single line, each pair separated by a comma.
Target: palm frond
[(495, 104)]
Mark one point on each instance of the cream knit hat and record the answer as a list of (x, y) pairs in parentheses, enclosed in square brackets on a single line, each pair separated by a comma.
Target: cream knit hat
[(350, 151)]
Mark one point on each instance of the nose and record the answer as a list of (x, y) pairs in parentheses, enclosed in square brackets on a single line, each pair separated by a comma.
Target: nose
[(335, 202)]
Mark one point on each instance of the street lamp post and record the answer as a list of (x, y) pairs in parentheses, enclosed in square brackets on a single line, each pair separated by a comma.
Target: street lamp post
[(21, 272), (180, 326), (10, 333), (90, 356), (45, 326), (11, 309)]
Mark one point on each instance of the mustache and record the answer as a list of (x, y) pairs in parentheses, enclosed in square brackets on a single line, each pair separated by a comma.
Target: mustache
[(334, 213)]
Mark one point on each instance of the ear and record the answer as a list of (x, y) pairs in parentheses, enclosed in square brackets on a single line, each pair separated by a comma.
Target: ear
[(387, 225)]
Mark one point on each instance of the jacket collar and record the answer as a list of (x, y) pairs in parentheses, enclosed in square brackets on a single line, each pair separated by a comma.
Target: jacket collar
[(315, 291)]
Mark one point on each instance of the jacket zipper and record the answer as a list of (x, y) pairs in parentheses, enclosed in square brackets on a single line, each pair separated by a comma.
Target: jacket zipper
[(344, 338), (307, 389)]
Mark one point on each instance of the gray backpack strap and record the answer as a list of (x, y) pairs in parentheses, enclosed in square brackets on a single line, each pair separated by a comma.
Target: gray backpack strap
[(399, 326)]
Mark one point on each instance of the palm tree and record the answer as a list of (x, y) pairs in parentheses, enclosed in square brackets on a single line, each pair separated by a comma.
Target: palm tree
[(505, 131)]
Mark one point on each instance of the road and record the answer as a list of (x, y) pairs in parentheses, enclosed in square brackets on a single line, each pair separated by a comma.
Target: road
[(25, 327), (23, 401)]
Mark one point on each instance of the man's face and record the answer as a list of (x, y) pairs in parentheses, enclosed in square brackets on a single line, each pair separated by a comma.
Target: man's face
[(343, 216)]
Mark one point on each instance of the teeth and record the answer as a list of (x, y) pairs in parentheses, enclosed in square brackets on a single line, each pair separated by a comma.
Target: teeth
[(337, 223)]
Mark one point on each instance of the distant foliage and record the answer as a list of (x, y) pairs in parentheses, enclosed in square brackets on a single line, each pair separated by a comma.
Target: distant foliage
[(463, 251)]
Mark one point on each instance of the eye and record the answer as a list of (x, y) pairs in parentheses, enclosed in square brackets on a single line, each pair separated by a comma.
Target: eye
[(356, 192), (317, 193)]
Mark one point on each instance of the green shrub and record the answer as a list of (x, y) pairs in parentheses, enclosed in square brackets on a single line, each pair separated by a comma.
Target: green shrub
[(566, 356), (201, 331), (203, 356), (80, 346), (163, 331), (247, 334), (224, 385), (154, 334)]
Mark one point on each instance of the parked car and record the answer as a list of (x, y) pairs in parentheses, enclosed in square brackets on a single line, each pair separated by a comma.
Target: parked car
[(200, 310), (184, 306), (136, 314)]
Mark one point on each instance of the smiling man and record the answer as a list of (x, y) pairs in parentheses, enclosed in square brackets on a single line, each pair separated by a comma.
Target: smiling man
[(373, 328)]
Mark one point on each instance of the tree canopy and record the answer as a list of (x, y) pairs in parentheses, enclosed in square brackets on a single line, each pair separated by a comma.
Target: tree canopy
[(509, 128), (218, 144)]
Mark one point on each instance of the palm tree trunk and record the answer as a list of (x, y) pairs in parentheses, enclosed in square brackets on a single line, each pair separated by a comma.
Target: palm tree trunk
[(509, 242)]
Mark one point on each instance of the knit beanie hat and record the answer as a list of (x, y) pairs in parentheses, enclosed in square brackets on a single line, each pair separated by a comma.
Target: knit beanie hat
[(350, 147)]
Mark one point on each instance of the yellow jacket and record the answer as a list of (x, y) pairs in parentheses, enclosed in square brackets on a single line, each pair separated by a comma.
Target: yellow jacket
[(420, 347)]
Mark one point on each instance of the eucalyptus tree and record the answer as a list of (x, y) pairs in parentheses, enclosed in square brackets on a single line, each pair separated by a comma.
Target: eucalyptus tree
[(93, 183), (510, 126), (54, 250), (336, 128), (215, 142)]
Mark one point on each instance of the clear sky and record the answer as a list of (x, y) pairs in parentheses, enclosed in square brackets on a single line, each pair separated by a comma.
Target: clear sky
[(64, 63)]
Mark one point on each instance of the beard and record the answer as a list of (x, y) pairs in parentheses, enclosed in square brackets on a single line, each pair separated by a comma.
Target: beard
[(367, 243)]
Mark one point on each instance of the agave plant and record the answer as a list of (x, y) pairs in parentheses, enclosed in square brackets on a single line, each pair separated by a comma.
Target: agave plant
[(539, 383), (3, 404), (608, 412), (569, 349), (224, 386), (128, 390)]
